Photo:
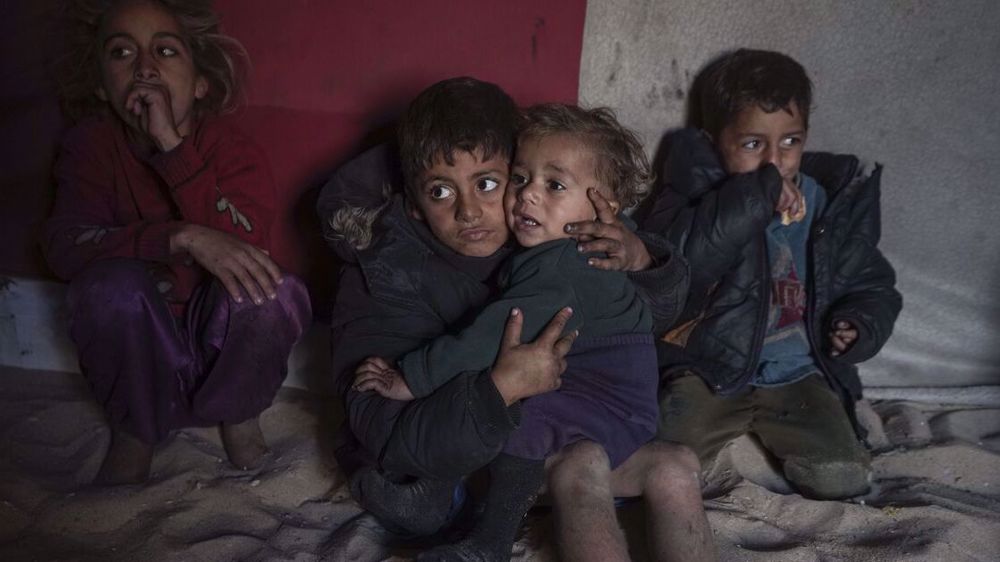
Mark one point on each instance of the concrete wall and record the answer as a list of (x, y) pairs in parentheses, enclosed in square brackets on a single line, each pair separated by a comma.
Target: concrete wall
[(914, 85)]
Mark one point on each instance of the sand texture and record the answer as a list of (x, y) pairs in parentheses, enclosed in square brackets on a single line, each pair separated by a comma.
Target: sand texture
[(936, 497)]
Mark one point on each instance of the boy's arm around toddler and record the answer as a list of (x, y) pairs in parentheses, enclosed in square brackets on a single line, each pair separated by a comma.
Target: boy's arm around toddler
[(419, 437), (664, 286)]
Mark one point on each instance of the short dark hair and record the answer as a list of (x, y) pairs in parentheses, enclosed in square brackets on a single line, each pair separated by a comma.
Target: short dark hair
[(621, 161), (456, 114), (217, 57), (747, 77)]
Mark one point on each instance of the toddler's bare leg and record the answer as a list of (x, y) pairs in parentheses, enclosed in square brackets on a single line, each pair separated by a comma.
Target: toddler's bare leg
[(667, 476), (585, 519)]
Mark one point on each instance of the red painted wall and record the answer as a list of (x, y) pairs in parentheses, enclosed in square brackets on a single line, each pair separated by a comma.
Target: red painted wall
[(329, 78)]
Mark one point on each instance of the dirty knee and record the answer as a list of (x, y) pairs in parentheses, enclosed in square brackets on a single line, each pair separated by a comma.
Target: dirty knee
[(676, 456), (579, 465), (289, 310)]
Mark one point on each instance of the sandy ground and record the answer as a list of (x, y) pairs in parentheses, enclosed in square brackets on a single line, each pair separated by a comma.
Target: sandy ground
[(937, 493)]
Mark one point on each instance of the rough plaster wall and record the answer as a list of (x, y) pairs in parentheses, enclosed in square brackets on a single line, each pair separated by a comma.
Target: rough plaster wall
[(914, 85)]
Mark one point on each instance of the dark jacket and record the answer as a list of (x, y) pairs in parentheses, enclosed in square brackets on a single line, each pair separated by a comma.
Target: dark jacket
[(399, 288), (541, 281), (718, 223)]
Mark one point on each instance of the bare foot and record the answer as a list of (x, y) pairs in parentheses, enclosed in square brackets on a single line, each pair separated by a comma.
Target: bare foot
[(244, 443), (127, 461)]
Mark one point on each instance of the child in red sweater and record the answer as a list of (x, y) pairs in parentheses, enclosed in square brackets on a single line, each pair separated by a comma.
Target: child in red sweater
[(161, 224)]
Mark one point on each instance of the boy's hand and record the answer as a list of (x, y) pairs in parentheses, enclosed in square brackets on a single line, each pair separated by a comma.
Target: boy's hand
[(235, 263), (842, 337), (526, 369), (790, 199), (150, 105), (607, 234), (377, 374)]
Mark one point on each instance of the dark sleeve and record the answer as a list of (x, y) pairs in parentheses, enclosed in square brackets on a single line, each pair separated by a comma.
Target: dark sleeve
[(225, 185), (83, 226), (664, 286), (714, 230), (221, 180), (364, 325), (872, 307), (537, 288), (453, 432), (708, 216), (412, 437), (871, 302)]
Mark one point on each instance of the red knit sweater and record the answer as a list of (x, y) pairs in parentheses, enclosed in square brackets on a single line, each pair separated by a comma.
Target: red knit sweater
[(113, 201)]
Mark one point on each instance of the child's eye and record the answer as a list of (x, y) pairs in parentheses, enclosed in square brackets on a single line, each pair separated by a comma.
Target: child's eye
[(167, 51), (439, 192), (556, 186), (120, 52), (487, 184), (789, 142), (518, 180), (752, 144)]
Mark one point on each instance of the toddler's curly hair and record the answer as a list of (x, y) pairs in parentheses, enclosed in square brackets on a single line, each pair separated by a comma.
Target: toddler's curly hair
[(621, 162)]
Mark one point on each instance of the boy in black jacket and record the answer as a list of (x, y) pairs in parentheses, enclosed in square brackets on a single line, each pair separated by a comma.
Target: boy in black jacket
[(422, 265), (788, 288)]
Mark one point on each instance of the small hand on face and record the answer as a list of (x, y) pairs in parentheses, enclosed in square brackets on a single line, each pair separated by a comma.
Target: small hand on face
[(150, 104), (375, 373), (842, 337), (790, 199), (607, 234)]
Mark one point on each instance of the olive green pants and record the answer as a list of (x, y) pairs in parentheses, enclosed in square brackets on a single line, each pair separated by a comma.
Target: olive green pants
[(804, 425)]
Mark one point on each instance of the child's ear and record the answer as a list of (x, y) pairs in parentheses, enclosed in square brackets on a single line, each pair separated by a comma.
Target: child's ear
[(200, 88), (615, 206), (413, 211), (100, 93)]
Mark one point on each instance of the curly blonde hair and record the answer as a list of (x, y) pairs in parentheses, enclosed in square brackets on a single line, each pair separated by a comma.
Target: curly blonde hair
[(218, 58), (621, 160)]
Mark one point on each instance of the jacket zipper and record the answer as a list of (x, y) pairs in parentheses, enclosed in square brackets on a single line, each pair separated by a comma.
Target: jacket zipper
[(811, 310), (761, 326), (811, 329), (811, 283)]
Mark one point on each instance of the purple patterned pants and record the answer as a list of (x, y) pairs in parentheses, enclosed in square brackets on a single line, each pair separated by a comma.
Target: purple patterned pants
[(222, 361)]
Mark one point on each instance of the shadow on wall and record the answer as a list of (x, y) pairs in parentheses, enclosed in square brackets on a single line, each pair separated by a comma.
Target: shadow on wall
[(30, 35), (692, 118)]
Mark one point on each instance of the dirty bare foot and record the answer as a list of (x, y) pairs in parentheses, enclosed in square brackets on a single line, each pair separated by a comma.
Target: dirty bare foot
[(127, 460), (244, 443)]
